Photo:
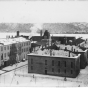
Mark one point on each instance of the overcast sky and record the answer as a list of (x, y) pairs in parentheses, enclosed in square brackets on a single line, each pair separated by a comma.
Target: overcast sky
[(42, 12)]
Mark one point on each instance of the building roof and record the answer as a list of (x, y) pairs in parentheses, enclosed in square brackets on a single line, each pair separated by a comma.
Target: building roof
[(55, 53), (70, 48), (8, 41)]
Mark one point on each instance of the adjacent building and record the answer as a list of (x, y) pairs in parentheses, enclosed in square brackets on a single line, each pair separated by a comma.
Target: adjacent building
[(19, 45)]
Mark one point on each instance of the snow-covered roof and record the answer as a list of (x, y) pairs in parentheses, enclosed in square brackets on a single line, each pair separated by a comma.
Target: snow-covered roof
[(5, 41), (55, 53)]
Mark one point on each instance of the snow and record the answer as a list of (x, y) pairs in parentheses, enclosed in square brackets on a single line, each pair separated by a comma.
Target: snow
[(6, 41), (15, 66), (1, 72), (4, 34), (23, 78)]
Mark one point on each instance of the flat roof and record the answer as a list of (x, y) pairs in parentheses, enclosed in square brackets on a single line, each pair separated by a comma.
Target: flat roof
[(5, 41), (55, 53), (69, 47)]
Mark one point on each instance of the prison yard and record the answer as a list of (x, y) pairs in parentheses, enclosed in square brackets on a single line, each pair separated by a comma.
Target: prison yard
[(23, 78)]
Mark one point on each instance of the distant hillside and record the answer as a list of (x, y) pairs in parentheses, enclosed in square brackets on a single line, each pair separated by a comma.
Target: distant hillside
[(13, 27), (51, 27), (66, 28)]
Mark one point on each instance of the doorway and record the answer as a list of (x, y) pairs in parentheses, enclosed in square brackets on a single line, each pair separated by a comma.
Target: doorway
[(45, 71)]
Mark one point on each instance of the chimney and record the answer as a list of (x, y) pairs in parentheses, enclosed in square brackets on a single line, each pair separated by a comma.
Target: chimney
[(40, 32), (17, 33), (50, 52)]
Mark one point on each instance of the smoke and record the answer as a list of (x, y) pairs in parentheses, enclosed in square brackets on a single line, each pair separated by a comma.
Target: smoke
[(35, 28)]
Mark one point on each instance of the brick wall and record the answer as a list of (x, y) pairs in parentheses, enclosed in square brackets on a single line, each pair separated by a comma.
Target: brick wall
[(83, 58), (60, 66)]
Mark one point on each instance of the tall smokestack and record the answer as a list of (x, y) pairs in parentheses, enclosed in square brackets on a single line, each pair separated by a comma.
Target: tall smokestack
[(17, 33)]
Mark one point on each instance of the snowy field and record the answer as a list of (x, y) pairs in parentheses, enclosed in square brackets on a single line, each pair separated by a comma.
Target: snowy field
[(21, 77)]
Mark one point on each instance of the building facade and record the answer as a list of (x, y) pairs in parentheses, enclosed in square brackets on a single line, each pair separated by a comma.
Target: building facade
[(21, 45), (51, 65)]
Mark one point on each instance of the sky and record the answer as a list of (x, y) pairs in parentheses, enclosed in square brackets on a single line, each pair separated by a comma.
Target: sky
[(43, 11)]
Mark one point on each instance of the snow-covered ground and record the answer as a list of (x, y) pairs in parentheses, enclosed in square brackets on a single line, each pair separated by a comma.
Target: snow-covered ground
[(21, 77), (4, 34)]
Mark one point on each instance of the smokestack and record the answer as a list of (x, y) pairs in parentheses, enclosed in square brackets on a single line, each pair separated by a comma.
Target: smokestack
[(17, 33), (50, 52), (40, 32)]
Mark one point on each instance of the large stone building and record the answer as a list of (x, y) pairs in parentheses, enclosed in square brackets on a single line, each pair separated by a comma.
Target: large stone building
[(56, 62), (12, 49)]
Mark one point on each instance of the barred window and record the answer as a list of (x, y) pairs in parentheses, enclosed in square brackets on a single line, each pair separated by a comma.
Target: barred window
[(71, 64), (45, 62), (58, 63), (65, 63), (31, 61)]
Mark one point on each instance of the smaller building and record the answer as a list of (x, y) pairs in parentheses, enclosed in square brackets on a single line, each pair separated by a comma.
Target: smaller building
[(12, 49), (77, 50), (54, 62)]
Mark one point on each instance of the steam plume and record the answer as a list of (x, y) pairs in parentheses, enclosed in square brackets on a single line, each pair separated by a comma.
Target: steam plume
[(35, 28)]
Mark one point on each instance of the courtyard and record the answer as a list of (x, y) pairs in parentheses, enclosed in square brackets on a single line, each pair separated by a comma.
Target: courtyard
[(21, 77)]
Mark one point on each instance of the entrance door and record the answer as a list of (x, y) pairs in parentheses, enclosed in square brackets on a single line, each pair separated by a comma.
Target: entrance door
[(45, 71)]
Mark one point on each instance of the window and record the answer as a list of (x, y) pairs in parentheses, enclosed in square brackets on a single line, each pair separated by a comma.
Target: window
[(71, 64), (1, 56), (31, 61), (58, 63), (71, 72), (52, 62), (31, 67), (45, 62), (65, 63), (58, 70), (52, 69)]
